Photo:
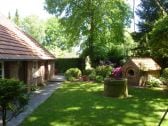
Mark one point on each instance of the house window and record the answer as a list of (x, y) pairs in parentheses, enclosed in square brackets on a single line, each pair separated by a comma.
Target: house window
[(1, 70), (131, 72)]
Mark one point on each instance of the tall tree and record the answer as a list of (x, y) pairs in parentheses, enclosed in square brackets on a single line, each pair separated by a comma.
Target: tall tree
[(149, 11), (90, 23), (54, 33), (34, 27), (158, 41), (16, 18), (9, 15)]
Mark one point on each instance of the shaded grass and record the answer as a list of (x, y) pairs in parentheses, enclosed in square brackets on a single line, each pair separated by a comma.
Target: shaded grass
[(83, 104)]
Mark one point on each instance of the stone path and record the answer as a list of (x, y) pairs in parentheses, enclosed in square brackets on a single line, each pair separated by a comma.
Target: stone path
[(36, 99)]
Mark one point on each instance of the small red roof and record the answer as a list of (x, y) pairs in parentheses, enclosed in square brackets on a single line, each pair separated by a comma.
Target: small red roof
[(17, 45)]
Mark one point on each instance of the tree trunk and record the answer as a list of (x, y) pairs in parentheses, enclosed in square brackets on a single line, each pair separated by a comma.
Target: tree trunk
[(91, 36), (91, 31)]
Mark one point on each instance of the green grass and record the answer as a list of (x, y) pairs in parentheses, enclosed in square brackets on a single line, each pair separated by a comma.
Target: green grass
[(83, 104)]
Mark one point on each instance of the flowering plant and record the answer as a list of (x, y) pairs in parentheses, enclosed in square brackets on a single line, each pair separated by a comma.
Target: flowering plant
[(117, 73)]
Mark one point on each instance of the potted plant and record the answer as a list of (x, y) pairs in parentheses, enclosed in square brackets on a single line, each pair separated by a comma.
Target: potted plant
[(116, 86)]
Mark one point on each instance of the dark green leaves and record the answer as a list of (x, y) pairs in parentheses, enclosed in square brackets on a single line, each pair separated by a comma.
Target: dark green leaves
[(92, 23)]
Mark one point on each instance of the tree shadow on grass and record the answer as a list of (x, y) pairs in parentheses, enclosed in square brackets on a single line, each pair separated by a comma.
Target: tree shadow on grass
[(85, 105)]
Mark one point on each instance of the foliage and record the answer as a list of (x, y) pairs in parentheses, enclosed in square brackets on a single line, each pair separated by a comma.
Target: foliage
[(33, 26), (92, 75), (49, 33), (13, 97), (153, 81), (165, 73), (82, 104), (164, 80), (164, 76), (117, 73), (149, 12), (99, 73), (159, 37), (89, 71), (64, 64), (73, 73), (99, 79), (92, 24), (103, 70), (54, 33)]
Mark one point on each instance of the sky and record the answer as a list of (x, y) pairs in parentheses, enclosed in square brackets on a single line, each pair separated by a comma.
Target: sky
[(34, 7), (25, 8)]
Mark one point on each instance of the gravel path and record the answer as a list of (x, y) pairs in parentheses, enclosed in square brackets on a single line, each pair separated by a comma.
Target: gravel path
[(36, 99)]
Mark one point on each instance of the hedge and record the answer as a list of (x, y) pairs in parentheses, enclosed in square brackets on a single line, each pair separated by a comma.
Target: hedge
[(61, 65)]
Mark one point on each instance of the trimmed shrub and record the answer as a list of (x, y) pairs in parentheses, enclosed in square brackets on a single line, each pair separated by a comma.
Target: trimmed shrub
[(89, 71), (92, 75), (104, 71), (153, 81), (99, 79), (72, 74), (62, 65), (13, 97), (164, 80)]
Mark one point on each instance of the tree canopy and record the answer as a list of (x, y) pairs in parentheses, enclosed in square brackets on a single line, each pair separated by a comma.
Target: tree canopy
[(54, 33), (159, 38), (95, 25), (150, 11), (33, 26), (152, 36)]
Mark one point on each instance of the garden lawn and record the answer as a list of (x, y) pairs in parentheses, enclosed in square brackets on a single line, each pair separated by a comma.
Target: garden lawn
[(83, 104)]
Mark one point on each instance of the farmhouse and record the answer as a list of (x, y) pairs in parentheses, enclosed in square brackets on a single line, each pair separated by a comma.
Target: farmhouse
[(22, 57), (137, 70)]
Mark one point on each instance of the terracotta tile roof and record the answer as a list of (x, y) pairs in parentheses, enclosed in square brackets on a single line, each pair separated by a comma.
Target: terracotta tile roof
[(16, 44), (146, 64)]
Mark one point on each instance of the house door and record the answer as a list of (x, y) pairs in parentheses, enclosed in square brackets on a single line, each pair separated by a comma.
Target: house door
[(23, 71), (46, 70)]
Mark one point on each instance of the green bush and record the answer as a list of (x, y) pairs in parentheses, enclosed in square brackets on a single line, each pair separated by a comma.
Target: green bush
[(165, 73), (164, 80), (13, 96), (64, 64), (99, 79), (154, 82), (99, 73), (92, 75), (72, 74), (164, 76), (104, 71), (89, 71)]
